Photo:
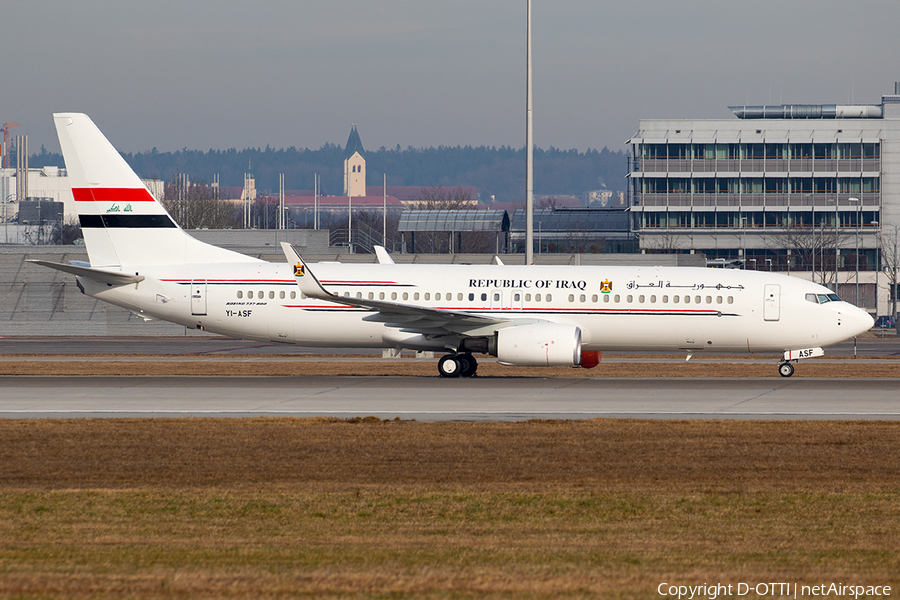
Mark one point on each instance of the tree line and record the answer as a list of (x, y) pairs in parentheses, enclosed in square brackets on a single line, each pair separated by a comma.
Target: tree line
[(497, 172)]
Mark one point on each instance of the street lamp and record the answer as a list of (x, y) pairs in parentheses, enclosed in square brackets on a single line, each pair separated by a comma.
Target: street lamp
[(858, 203)]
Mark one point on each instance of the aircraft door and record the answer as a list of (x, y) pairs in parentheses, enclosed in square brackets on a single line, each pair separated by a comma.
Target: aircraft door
[(198, 297), (515, 300), (496, 300), (772, 302)]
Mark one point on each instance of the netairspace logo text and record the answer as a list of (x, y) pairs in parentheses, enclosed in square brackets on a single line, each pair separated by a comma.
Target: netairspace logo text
[(774, 590)]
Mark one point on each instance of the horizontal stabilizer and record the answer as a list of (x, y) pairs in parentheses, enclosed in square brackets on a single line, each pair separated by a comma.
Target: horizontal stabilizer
[(108, 277)]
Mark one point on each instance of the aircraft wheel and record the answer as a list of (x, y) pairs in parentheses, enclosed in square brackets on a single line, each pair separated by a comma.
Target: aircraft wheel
[(785, 369), (449, 366), (467, 365)]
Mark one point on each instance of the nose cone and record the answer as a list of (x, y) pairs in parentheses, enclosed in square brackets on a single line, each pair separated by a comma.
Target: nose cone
[(857, 320)]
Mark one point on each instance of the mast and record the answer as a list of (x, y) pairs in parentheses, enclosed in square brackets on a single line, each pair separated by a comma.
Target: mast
[(529, 153)]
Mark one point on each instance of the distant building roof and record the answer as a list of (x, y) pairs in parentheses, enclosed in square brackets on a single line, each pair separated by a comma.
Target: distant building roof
[(354, 144), (453, 220)]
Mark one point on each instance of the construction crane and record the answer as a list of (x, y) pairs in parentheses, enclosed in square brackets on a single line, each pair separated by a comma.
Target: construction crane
[(5, 149)]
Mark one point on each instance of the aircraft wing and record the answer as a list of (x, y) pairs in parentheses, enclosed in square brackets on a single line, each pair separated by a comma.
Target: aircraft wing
[(409, 317), (103, 276)]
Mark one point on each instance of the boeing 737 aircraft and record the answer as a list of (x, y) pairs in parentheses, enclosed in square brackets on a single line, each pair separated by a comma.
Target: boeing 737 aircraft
[(140, 259)]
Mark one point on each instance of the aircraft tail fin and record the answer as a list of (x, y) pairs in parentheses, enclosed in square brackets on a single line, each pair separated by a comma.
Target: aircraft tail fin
[(123, 224)]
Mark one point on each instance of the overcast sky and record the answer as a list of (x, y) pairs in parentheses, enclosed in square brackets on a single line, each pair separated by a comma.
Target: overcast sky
[(219, 74)]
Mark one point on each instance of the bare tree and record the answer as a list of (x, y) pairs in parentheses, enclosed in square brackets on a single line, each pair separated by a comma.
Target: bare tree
[(812, 247), (197, 205), (438, 198), (66, 232), (890, 256)]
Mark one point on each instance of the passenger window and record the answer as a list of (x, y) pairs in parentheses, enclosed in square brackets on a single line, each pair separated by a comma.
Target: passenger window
[(709, 299), (371, 295), (641, 299), (594, 298), (730, 299), (428, 295), (687, 299), (697, 300), (406, 295), (302, 296), (381, 295), (250, 295), (359, 295), (571, 297), (549, 297), (471, 297), (459, 297), (416, 296), (281, 294), (437, 296), (293, 295), (652, 299), (484, 298), (240, 294), (527, 297), (517, 296), (665, 299), (718, 299), (629, 299), (581, 298), (616, 298), (496, 297), (346, 294), (537, 297), (271, 295), (675, 299), (393, 295), (261, 295)]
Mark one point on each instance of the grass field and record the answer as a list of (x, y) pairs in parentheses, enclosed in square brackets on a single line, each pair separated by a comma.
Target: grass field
[(255, 365), (326, 508)]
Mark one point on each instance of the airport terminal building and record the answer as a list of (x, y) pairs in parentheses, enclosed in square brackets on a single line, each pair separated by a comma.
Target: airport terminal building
[(777, 187)]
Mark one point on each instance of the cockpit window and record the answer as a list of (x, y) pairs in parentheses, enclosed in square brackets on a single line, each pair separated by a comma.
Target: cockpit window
[(822, 298)]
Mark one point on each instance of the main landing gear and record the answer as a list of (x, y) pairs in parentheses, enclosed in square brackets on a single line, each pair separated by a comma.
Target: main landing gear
[(785, 369), (457, 365)]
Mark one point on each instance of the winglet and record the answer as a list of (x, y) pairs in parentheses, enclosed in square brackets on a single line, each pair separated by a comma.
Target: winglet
[(307, 282), (382, 255), (497, 260)]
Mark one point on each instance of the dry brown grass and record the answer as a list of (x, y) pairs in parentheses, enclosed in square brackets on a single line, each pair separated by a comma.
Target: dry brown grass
[(236, 366), (364, 508)]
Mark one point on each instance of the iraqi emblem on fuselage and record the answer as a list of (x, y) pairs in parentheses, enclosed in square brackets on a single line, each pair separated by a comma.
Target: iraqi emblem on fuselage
[(606, 286)]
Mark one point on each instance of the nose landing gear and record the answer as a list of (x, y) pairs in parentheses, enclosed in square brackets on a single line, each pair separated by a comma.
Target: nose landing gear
[(785, 369)]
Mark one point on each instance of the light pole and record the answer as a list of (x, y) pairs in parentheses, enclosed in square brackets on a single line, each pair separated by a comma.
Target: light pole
[(836, 249), (857, 202), (894, 280)]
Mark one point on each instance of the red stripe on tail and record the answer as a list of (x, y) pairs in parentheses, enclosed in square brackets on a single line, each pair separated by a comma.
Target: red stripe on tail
[(112, 195)]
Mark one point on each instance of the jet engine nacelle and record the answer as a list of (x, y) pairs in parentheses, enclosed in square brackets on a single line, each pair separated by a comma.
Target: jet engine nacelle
[(539, 345)]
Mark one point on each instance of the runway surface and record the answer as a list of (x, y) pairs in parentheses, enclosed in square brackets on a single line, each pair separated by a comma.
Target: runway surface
[(436, 399)]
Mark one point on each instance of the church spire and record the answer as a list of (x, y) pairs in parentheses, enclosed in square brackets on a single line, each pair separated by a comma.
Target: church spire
[(354, 165)]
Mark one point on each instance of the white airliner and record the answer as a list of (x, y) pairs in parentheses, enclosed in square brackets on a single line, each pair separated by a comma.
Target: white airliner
[(140, 259)]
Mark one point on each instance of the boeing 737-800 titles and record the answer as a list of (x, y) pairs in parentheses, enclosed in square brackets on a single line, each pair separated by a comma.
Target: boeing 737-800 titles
[(140, 259)]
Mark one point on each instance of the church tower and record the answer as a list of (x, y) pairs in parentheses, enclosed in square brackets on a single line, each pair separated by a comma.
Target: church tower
[(354, 166)]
